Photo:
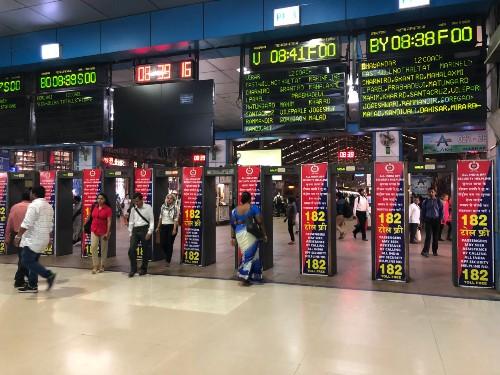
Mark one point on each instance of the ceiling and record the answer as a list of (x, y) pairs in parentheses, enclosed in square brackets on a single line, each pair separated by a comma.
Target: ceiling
[(23, 16)]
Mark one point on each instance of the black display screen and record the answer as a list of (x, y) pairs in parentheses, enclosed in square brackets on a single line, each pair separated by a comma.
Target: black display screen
[(72, 117), (423, 76), (14, 120), (171, 114), (308, 99), (90, 76)]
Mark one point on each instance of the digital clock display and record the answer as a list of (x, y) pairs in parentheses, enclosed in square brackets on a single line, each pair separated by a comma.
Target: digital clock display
[(157, 73), (461, 34), (75, 77), (292, 53), (11, 85)]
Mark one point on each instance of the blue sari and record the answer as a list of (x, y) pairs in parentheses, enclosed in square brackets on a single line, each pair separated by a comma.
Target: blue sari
[(250, 267)]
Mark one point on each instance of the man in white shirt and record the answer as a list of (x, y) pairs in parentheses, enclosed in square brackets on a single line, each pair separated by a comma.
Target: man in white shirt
[(361, 209), (140, 227), (414, 219), (33, 237)]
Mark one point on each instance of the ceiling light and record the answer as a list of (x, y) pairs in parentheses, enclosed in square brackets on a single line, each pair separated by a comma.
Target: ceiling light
[(51, 51), (245, 70)]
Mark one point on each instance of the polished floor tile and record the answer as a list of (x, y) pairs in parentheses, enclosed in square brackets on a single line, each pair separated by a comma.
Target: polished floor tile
[(110, 324)]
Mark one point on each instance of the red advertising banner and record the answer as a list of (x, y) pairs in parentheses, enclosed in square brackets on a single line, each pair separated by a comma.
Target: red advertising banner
[(192, 206), (3, 211), (249, 180), (314, 219), (91, 187), (391, 251), (48, 181), (143, 183), (475, 245)]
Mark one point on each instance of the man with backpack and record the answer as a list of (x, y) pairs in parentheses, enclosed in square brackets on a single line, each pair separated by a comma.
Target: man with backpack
[(361, 209), (344, 211)]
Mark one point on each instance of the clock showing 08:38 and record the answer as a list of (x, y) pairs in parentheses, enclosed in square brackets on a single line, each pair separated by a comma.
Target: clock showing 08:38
[(453, 34), (294, 52)]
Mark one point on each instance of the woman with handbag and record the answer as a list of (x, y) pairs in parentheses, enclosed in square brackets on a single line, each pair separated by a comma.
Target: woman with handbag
[(167, 226), (247, 230), (100, 229)]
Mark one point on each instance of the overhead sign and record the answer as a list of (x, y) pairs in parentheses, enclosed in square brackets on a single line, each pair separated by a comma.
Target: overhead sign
[(314, 254), (295, 100), (163, 72), (423, 75), (475, 237), (439, 143), (408, 4), (73, 77), (287, 16), (391, 249)]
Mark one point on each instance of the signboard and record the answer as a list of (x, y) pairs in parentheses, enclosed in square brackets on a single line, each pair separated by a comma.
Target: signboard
[(73, 77), (314, 247), (14, 119), (71, 116), (425, 74), (389, 231), (48, 181), (192, 210), (408, 4), (143, 183), (91, 187), (475, 242), (163, 72), (305, 99), (3, 211), (439, 143), (295, 52), (420, 185), (287, 16), (249, 180)]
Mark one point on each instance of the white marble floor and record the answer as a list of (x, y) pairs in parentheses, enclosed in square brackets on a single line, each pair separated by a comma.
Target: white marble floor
[(110, 324)]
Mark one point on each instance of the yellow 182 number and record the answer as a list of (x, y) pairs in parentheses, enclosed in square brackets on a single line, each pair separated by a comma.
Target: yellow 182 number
[(473, 220), (316, 264), (315, 215), (192, 214), (391, 269), (192, 256), (390, 218), (475, 274)]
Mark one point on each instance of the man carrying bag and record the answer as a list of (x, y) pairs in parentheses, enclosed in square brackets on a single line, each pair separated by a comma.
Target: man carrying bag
[(140, 227)]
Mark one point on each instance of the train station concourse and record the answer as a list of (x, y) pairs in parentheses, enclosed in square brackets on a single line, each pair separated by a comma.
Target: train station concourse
[(272, 187)]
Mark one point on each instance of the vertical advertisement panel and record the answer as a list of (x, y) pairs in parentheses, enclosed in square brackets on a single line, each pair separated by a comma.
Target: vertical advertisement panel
[(390, 229), (48, 181), (249, 180), (314, 219), (475, 224), (3, 211), (192, 205), (91, 187), (143, 183)]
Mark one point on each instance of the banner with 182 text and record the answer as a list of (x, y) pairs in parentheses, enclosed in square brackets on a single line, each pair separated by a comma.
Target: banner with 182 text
[(475, 245), (91, 187), (48, 181), (314, 219), (192, 205), (3, 211), (390, 244), (143, 183)]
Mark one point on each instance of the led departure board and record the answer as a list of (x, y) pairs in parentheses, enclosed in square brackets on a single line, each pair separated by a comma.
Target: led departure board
[(157, 73), (305, 99), (295, 52), (73, 77), (71, 117), (11, 85), (14, 120), (424, 75)]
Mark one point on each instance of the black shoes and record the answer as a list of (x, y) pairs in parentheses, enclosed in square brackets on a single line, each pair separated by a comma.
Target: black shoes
[(28, 289), (365, 239), (50, 280), (142, 272), (131, 274), (435, 254), (354, 234), (20, 284), (424, 254)]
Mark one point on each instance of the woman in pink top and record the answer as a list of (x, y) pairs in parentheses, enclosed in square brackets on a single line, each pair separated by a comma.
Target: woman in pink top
[(100, 231), (446, 217)]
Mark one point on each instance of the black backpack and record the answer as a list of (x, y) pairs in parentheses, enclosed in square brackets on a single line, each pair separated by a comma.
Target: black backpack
[(347, 211)]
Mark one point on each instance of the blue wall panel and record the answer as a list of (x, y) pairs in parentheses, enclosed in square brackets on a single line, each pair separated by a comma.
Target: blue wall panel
[(5, 51), (123, 34), (82, 40), (228, 17), (177, 24), (369, 8), (27, 48)]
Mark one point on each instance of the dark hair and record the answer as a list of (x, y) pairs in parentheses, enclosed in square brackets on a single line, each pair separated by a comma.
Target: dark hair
[(361, 190), (431, 188), (137, 196), (26, 195), (106, 200), (245, 197), (77, 198), (38, 191)]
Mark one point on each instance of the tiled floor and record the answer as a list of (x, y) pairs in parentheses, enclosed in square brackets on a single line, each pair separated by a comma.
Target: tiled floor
[(110, 324)]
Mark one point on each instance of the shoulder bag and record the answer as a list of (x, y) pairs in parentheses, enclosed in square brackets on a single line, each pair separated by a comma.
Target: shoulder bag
[(253, 227)]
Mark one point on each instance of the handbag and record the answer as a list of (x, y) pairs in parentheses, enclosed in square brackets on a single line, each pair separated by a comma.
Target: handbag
[(418, 236), (253, 227)]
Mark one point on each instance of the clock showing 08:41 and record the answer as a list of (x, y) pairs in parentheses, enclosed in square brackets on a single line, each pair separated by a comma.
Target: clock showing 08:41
[(448, 35), (294, 52)]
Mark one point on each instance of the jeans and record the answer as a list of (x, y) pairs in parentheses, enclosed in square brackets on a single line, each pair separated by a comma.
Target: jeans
[(290, 230), (139, 234), (361, 226), (30, 261), (167, 240), (432, 227)]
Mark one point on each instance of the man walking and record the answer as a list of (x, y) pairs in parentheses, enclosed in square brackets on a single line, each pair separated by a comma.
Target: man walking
[(16, 217), (140, 227), (361, 209), (432, 214), (33, 237)]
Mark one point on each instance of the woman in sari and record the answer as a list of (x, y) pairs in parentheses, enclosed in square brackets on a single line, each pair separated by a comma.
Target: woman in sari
[(250, 268)]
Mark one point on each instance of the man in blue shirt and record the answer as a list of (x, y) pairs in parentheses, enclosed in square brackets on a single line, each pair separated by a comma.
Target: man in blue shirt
[(431, 216)]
